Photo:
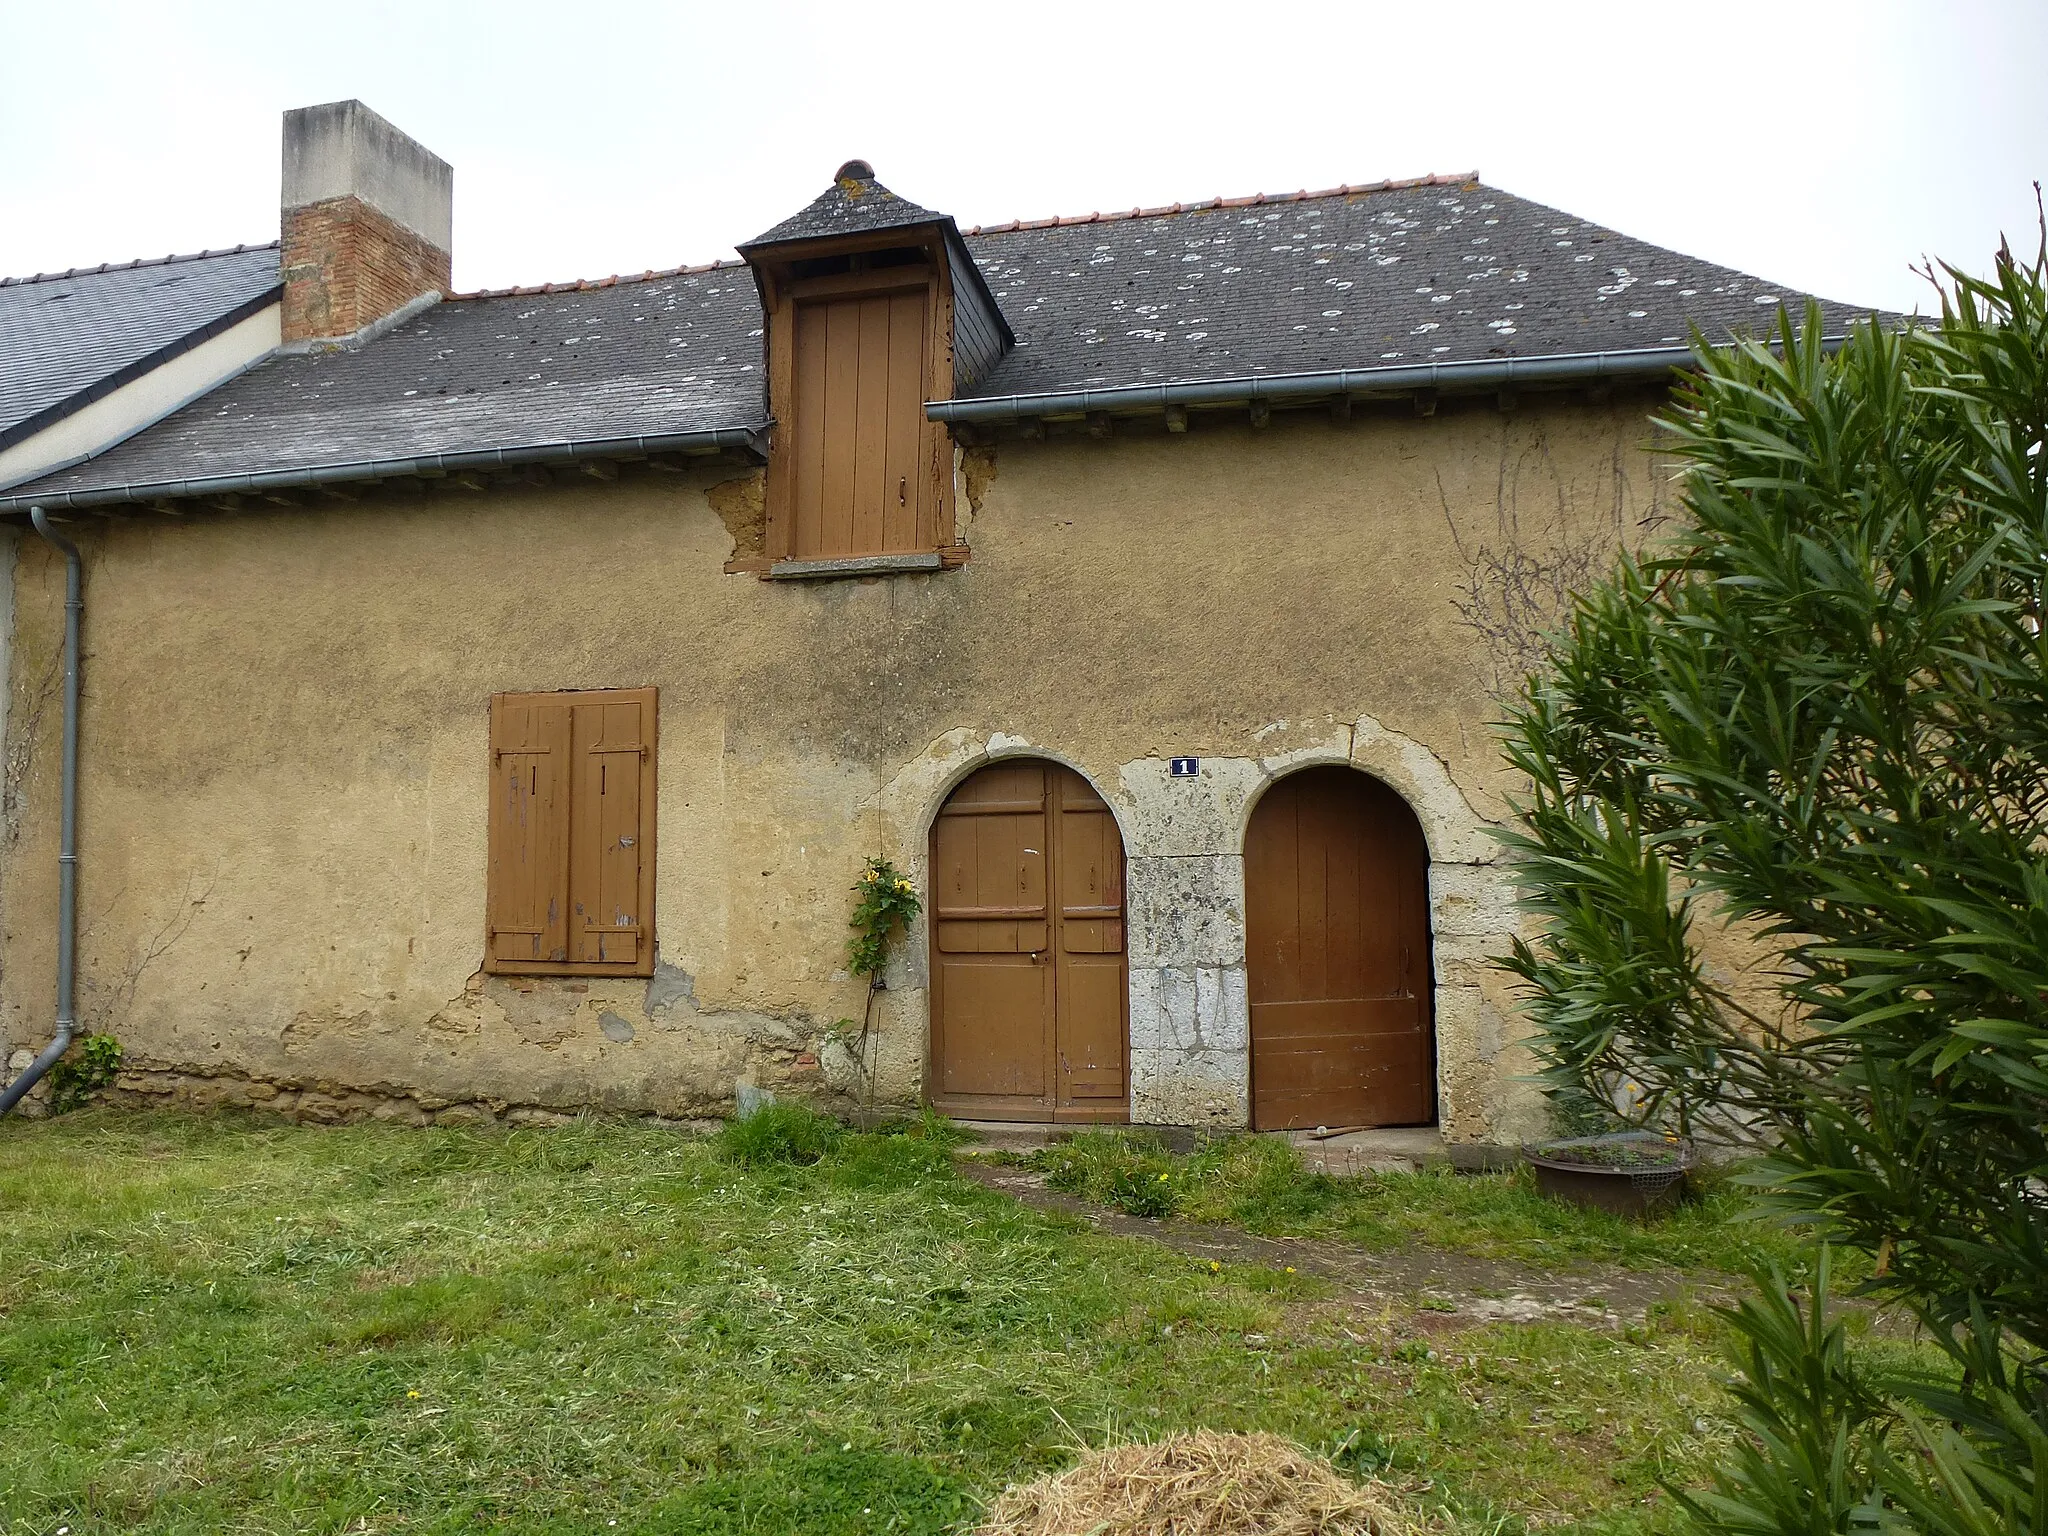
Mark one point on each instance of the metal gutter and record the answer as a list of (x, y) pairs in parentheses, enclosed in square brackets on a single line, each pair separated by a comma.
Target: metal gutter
[(1636, 365), (67, 836), (429, 466)]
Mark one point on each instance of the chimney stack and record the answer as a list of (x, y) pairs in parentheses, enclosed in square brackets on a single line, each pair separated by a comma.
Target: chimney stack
[(368, 217)]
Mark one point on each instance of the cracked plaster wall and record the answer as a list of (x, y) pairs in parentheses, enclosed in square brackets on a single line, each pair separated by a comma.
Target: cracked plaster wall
[(282, 820)]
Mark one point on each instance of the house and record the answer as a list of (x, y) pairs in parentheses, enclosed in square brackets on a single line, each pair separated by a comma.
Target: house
[(491, 700)]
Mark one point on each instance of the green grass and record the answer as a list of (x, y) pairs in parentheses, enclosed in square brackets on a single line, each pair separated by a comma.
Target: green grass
[(212, 1325), (777, 1133), (1258, 1183)]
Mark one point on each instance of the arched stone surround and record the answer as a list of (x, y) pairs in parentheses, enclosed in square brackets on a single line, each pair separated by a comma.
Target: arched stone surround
[(1184, 852)]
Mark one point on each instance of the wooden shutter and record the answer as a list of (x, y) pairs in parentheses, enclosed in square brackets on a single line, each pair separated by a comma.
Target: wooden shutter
[(860, 479), (606, 897), (571, 888), (529, 830)]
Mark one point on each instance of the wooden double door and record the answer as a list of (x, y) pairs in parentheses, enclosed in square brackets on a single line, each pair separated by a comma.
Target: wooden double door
[(1029, 990), (1338, 956)]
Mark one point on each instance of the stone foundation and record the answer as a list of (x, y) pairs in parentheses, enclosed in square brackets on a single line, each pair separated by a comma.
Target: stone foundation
[(328, 1103)]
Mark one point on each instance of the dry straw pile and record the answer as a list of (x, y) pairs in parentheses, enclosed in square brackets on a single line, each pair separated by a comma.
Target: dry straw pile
[(1202, 1484)]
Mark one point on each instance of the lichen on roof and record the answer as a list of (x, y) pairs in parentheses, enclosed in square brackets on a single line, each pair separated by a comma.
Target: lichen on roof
[(1435, 270), (854, 204)]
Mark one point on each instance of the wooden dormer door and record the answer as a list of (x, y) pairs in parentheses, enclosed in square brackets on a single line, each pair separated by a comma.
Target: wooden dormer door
[(1029, 982), (860, 480)]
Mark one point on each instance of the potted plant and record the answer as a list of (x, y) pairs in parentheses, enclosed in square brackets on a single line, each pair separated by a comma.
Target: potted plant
[(1632, 1173)]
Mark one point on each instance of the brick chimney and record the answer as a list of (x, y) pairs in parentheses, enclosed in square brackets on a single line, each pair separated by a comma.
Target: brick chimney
[(367, 221)]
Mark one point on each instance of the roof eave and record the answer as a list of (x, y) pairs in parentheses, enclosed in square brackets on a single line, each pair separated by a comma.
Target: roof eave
[(874, 234), (433, 465), (1638, 365)]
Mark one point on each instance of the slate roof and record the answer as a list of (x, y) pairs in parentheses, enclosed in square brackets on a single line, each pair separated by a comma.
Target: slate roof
[(1445, 270), (854, 204), (648, 357), (1440, 270), (66, 338)]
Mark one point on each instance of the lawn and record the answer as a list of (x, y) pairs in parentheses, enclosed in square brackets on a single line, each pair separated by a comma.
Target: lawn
[(1258, 1183), (219, 1324)]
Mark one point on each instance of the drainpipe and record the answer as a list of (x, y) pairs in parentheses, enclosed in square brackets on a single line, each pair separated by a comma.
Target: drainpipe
[(67, 848)]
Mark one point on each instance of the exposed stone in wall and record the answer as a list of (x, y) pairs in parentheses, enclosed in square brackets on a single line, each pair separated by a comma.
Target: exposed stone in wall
[(742, 505), (977, 474), (1184, 839), (1190, 1026), (34, 1104), (325, 1102), (1190, 1044), (623, 1046)]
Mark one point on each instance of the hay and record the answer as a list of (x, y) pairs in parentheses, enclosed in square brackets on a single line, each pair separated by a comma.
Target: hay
[(1201, 1484)]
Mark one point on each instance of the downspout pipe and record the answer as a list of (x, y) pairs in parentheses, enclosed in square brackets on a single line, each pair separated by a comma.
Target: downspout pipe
[(67, 841)]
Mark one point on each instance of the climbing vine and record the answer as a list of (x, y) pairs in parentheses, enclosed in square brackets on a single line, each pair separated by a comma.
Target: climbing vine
[(886, 902)]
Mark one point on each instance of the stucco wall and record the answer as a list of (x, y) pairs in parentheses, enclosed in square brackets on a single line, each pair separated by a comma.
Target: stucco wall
[(283, 821)]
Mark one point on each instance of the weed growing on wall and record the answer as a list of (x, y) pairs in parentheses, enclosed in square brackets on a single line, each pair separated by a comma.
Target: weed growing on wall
[(83, 1071), (885, 902)]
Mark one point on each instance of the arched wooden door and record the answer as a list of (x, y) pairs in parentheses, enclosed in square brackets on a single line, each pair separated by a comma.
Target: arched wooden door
[(1336, 878), (1027, 934)]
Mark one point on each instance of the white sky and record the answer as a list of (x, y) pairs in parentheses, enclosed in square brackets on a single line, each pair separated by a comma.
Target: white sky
[(1828, 146)]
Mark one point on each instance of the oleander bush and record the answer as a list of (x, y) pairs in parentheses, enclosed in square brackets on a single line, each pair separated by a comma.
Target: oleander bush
[(1822, 712)]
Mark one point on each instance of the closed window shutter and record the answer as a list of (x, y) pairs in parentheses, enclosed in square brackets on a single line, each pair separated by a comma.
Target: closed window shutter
[(860, 483), (607, 847), (571, 889), (529, 830)]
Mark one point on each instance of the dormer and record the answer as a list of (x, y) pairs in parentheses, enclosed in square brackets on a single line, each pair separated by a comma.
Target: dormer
[(873, 307)]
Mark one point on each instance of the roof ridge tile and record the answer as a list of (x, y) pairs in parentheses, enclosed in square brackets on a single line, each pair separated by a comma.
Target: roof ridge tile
[(130, 266), (1009, 226), (1256, 199), (592, 284)]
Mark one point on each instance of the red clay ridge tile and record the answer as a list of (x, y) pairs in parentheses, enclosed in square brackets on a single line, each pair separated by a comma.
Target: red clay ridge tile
[(589, 284)]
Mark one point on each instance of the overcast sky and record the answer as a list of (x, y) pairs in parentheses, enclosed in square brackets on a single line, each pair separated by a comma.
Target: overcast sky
[(1820, 145)]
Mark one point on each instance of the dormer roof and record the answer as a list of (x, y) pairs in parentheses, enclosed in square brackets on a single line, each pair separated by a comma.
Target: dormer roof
[(857, 207), (855, 204)]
